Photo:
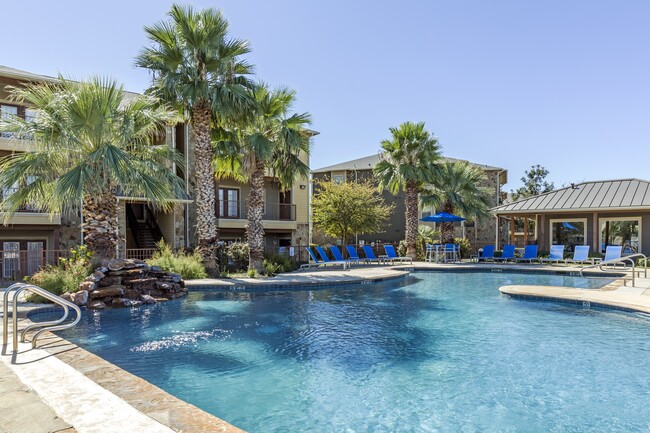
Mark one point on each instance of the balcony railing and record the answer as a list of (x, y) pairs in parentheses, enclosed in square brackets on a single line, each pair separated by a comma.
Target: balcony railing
[(23, 208), (234, 209), (17, 264)]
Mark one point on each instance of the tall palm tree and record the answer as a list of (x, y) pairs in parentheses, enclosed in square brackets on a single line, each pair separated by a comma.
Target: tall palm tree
[(409, 160), (273, 141), (457, 190), (91, 143), (197, 66)]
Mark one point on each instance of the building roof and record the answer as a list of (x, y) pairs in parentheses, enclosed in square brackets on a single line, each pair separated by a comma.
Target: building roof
[(17, 74), (368, 162), (601, 195)]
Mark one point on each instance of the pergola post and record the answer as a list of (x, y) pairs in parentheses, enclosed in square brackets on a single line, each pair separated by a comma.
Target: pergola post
[(525, 231), (512, 230)]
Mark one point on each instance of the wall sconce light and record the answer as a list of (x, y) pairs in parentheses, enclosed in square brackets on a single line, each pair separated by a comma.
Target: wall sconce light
[(303, 186)]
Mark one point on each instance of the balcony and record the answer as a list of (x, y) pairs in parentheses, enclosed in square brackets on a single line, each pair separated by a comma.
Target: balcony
[(27, 214), (11, 143), (234, 214)]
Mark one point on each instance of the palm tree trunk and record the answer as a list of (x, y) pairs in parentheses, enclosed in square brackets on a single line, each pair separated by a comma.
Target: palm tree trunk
[(206, 222), (447, 229), (100, 227), (411, 234), (254, 227)]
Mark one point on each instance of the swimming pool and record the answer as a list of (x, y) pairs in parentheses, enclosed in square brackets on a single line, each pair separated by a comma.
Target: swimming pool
[(431, 352)]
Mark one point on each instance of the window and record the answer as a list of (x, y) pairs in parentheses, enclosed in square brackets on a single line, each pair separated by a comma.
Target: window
[(6, 112), (338, 178), (623, 231), (568, 232), (10, 259), (228, 203)]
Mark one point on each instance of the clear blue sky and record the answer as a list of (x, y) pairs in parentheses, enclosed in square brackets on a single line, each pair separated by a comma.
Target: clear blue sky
[(564, 84)]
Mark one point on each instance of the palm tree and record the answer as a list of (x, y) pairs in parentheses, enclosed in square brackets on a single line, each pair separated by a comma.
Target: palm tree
[(409, 161), (457, 190), (273, 141), (196, 66), (90, 143)]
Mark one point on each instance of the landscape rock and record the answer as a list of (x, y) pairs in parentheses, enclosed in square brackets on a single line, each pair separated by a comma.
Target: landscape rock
[(87, 285), (110, 291), (147, 299), (68, 296), (81, 297), (97, 305), (121, 303)]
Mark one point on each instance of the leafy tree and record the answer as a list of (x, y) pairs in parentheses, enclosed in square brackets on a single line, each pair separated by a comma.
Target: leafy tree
[(409, 161), (457, 190), (534, 183), (91, 143), (271, 141), (344, 209), (197, 66)]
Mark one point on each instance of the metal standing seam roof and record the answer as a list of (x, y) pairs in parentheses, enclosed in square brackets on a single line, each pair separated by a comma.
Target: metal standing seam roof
[(368, 162), (617, 194)]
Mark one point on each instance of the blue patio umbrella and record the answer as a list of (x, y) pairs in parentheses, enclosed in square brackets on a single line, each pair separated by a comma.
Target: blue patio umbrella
[(442, 217), (569, 226)]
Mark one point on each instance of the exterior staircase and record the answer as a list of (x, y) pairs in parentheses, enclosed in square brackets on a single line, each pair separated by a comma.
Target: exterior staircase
[(145, 233)]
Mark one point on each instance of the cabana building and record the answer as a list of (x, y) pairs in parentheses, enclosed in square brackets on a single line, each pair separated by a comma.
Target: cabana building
[(598, 213)]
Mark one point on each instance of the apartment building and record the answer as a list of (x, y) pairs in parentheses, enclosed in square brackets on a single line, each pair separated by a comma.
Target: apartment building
[(479, 233), (31, 237)]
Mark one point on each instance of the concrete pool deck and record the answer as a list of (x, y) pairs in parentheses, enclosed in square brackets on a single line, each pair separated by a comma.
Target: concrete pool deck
[(60, 387)]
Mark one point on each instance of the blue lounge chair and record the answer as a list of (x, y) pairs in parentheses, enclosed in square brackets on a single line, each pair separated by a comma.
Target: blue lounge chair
[(354, 255), (392, 256), (612, 252), (487, 253), (556, 256), (530, 254), (507, 254), (327, 261), (339, 257), (370, 255), (316, 263), (581, 255)]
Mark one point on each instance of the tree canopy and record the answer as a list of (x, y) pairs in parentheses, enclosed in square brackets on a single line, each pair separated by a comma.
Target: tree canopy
[(534, 183), (344, 209)]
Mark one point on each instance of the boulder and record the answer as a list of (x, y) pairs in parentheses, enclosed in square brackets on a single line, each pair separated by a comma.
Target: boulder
[(81, 297), (68, 296), (87, 285), (96, 276), (121, 303), (132, 294), (102, 269), (116, 265), (110, 291), (147, 299), (110, 281), (96, 305)]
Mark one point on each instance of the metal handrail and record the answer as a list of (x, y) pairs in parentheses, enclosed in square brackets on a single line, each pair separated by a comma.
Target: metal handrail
[(623, 260), (54, 325)]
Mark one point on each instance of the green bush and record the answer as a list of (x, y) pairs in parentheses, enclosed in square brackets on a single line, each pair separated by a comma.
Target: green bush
[(277, 264), (187, 265), (465, 247), (419, 248), (237, 253), (64, 277)]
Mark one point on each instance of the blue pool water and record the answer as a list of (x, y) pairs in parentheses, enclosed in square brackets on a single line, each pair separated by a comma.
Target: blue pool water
[(433, 352)]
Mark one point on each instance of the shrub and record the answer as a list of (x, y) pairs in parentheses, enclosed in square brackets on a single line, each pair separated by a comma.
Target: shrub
[(64, 277), (187, 265), (419, 248), (276, 264), (237, 253), (465, 247)]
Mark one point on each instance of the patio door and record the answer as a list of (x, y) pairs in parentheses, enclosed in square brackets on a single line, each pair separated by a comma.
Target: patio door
[(34, 257), (285, 205), (10, 259)]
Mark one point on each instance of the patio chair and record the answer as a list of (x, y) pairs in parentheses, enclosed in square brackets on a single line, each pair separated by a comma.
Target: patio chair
[(393, 257), (556, 256), (339, 257), (530, 254), (486, 254), (327, 261), (581, 256), (452, 252), (317, 263), (507, 254), (354, 255), (370, 255), (612, 252)]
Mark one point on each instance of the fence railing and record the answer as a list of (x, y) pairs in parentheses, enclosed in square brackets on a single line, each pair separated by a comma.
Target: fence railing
[(15, 265)]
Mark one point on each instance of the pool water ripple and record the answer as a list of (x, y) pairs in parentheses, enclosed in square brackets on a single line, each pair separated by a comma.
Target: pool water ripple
[(433, 352)]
